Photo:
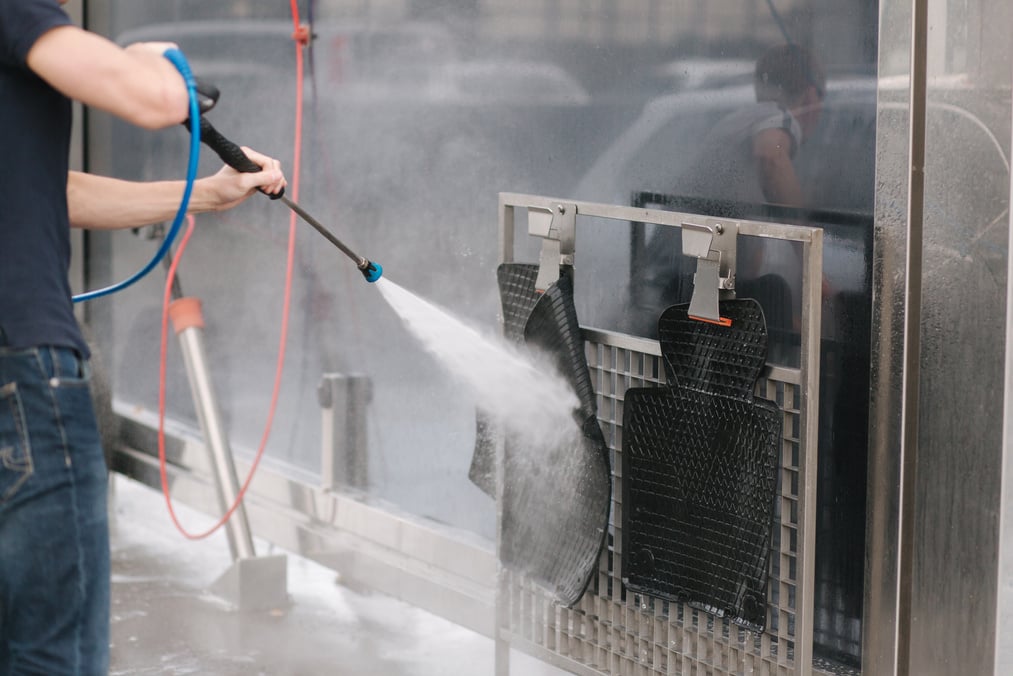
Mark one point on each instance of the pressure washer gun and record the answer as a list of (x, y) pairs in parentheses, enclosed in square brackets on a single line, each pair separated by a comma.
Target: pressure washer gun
[(233, 155)]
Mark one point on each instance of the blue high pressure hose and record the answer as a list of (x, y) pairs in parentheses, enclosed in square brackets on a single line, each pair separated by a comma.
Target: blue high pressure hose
[(177, 59)]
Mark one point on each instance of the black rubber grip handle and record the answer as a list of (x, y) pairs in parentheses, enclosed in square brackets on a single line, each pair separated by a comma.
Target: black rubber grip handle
[(207, 95), (230, 153)]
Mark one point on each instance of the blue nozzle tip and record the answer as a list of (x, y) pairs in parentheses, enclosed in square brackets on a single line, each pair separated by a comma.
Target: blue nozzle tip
[(372, 272)]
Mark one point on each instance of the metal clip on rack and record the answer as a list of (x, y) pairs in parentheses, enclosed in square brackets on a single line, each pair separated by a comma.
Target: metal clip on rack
[(557, 226), (713, 244)]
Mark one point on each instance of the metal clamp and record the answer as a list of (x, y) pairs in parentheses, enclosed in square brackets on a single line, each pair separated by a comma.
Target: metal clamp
[(713, 244), (557, 226)]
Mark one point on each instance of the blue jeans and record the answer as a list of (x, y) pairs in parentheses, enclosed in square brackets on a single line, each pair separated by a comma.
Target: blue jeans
[(54, 531)]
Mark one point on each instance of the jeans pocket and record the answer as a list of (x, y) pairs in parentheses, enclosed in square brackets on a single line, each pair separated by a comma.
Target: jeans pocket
[(63, 367), (15, 452)]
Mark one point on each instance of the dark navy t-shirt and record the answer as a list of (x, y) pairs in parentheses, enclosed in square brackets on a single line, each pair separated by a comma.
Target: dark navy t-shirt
[(35, 120)]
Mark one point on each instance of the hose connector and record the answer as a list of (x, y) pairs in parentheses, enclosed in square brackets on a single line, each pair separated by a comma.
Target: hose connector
[(370, 270)]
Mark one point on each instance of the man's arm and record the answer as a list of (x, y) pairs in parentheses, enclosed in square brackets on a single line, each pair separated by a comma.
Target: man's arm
[(772, 153), (137, 84), (100, 202)]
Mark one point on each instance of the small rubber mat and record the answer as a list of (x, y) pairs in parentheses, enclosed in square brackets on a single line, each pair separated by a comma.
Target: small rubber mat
[(700, 462)]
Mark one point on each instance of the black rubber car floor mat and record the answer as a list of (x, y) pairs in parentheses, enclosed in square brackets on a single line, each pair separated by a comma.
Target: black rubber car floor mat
[(555, 507), (518, 298), (700, 459)]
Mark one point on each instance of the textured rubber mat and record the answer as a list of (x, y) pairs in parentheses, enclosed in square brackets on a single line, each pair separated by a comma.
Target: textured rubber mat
[(518, 298), (700, 468), (555, 506)]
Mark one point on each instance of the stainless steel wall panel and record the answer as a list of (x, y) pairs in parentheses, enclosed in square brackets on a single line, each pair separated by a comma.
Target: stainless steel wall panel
[(931, 583), (1004, 592)]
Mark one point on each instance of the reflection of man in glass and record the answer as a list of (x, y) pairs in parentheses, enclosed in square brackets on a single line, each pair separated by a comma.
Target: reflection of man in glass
[(747, 156), (744, 161)]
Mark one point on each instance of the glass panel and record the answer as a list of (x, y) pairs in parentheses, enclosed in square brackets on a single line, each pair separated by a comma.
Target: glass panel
[(417, 114)]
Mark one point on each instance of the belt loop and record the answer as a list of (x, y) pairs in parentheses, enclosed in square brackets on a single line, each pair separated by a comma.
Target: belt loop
[(54, 361), (80, 364)]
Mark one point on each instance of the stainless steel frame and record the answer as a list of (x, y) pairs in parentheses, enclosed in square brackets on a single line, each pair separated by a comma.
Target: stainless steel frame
[(1004, 597), (606, 633)]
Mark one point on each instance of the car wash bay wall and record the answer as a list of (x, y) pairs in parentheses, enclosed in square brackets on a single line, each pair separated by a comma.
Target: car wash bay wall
[(947, 578), (939, 345)]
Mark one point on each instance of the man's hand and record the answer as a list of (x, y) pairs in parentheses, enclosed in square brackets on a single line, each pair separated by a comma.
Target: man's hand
[(229, 187)]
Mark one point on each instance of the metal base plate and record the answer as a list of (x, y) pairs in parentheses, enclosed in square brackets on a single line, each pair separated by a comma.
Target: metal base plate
[(259, 583)]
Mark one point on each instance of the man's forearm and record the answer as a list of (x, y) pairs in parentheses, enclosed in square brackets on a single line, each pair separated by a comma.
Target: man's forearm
[(103, 203), (772, 152), (779, 182)]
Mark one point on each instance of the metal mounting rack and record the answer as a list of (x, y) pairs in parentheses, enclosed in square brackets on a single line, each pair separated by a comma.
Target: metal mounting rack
[(616, 631)]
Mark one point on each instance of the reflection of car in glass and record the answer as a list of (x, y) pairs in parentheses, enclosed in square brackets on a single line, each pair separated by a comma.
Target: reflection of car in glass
[(393, 104), (398, 165), (692, 74), (412, 60), (651, 155), (350, 51), (394, 98), (836, 167), (507, 80)]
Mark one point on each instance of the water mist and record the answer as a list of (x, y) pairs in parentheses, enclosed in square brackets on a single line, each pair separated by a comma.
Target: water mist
[(526, 396)]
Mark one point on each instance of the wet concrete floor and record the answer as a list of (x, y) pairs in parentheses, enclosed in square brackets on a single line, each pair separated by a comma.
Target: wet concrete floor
[(164, 621)]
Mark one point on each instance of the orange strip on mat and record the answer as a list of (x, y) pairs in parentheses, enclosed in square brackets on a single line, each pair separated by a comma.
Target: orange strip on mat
[(724, 321)]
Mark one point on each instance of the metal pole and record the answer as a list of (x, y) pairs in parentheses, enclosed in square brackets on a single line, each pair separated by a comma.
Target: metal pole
[(189, 325), (912, 333), (501, 604), (1003, 663)]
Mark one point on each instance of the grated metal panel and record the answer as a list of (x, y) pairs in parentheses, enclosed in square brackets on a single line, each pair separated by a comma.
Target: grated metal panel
[(616, 631)]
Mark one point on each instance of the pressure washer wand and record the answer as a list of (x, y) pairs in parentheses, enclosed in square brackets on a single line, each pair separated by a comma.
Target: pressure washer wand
[(361, 262), (234, 156)]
